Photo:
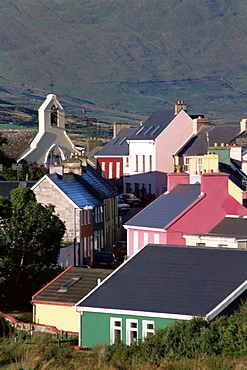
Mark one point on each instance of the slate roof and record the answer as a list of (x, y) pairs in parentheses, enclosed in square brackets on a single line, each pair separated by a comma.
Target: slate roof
[(88, 280), (198, 144), (75, 190), (172, 279), (154, 125), (7, 186), (117, 145), (18, 141), (98, 183), (166, 207), (235, 174), (231, 227)]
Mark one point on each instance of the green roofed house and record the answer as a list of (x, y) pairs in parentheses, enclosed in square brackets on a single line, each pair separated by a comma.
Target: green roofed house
[(161, 284)]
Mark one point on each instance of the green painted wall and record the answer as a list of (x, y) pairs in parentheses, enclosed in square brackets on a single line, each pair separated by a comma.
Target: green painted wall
[(96, 327)]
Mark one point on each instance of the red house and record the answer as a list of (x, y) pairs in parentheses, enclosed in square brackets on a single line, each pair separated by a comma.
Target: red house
[(184, 209)]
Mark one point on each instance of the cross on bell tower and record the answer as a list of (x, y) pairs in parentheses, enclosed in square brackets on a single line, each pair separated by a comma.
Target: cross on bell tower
[(51, 85)]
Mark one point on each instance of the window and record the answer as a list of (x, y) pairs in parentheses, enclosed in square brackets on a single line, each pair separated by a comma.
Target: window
[(103, 169), (149, 188), (155, 130), (200, 244), (139, 131), (156, 238), (147, 328), (68, 284), (121, 142), (143, 163), (88, 217), (131, 331), (199, 164), (110, 170), (127, 161), (148, 130), (85, 246), (137, 189), (186, 164), (150, 164), (128, 187), (136, 163), (115, 329), (145, 238), (135, 241), (118, 170)]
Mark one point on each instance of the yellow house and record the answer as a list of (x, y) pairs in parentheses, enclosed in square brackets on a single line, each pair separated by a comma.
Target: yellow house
[(53, 304)]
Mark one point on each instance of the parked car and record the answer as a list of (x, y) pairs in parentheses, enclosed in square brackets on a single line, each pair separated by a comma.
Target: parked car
[(130, 199), (123, 208), (105, 260), (120, 250)]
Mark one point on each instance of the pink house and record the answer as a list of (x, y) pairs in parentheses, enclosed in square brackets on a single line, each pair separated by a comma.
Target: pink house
[(184, 209)]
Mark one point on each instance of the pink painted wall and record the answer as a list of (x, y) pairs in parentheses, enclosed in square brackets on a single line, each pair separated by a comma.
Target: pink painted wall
[(206, 212), (211, 208), (171, 139)]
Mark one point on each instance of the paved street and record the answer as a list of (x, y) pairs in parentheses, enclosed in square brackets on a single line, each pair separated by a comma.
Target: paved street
[(133, 211)]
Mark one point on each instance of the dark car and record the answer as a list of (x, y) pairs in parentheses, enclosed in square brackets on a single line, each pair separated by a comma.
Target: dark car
[(105, 260), (130, 199)]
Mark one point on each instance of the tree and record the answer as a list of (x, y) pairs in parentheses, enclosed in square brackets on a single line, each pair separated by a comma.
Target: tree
[(29, 245)]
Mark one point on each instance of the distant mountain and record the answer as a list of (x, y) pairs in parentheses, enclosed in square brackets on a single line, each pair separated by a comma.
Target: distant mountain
[(127, 58)]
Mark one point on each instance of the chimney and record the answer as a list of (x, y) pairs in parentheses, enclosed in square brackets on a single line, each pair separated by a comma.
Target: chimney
[(76, 164), (119, 126), (216, 182), (179, 106), (243, 125), (175, 178), (56, 168)]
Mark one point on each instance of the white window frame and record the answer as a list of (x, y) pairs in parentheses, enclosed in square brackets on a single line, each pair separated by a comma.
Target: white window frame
[(136, 240), (145, 238), (127, 162), (186, 164), (130, 330), (117, 170), (145, 330), (199, 164), (110, 175), (156, 238), (143, 162), (85, 246), (136, 163), (114, 327), (103, 169)]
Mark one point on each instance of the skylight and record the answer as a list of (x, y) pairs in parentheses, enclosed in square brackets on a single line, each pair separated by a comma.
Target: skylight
[(155, 130), (148, 130), (121, 142), (140, 130), (69, 284), (114, 141)]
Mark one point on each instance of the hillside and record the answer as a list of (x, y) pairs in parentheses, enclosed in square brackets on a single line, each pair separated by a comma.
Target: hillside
[(125, 58)]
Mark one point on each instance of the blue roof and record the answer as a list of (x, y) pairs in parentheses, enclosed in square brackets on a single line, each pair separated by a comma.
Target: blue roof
[(165, 208), (172, 279), (75, 190), (98, 183)]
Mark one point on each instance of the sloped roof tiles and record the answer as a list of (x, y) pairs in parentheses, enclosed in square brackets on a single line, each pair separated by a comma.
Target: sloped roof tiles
[(172, 279), (165, 208)]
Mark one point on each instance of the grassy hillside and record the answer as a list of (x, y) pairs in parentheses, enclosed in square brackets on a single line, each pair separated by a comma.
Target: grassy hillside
[(127, 57)]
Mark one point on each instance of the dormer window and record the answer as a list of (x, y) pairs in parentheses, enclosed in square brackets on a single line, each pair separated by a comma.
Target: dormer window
[(54, 116)]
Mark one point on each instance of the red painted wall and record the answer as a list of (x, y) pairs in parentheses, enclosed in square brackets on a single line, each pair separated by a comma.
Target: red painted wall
[(107, 160)]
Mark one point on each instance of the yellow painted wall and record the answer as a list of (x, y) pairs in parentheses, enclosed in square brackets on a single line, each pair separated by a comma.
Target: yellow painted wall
[(235, 191), (62, 317)]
